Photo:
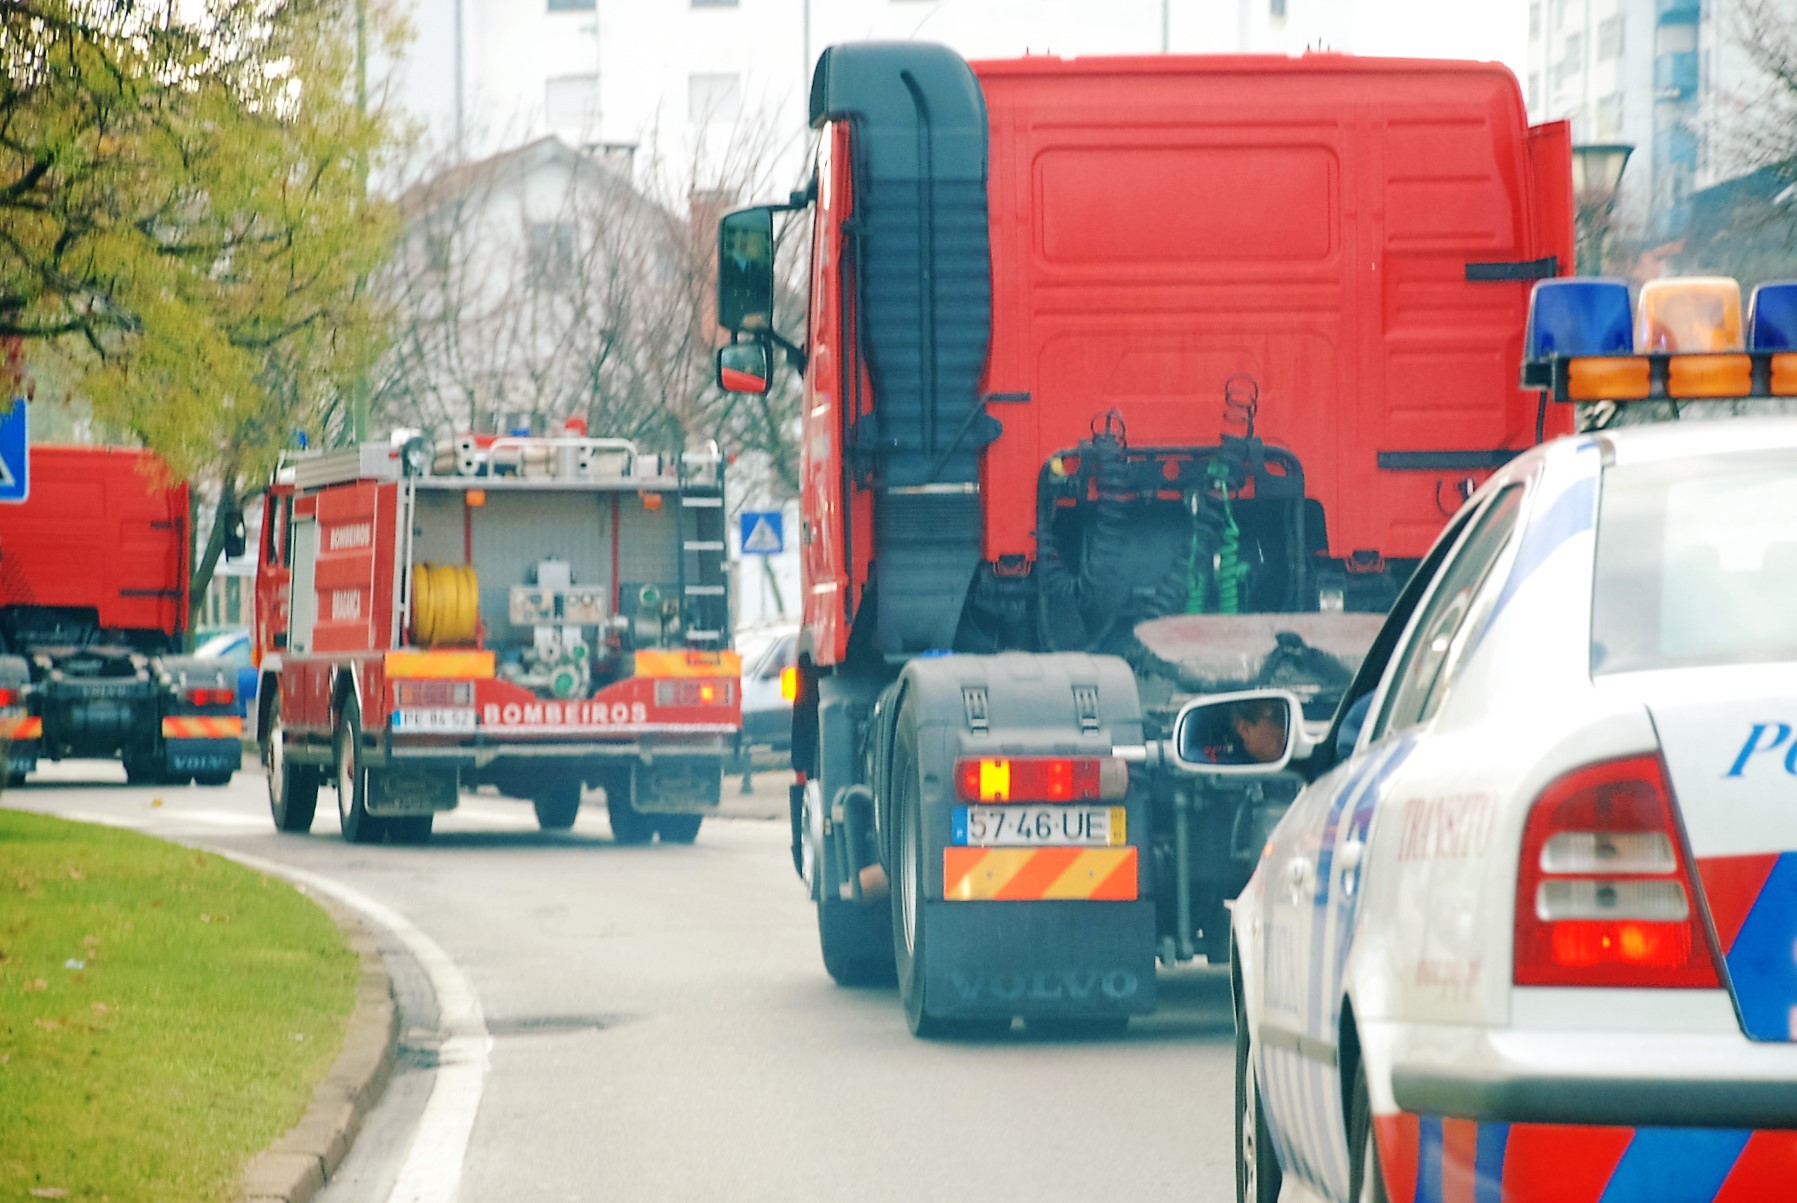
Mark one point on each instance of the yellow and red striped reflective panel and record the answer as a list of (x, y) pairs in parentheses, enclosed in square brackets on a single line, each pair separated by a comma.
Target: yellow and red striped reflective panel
[(30, 727), (1036, 874), (202, 726)]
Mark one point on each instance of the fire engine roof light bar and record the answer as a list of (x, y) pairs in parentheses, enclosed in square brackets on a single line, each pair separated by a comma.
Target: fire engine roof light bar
[(1684, 341)]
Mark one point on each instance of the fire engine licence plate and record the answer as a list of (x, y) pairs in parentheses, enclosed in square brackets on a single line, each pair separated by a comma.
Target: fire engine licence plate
[(1038, 826), (436, 719)]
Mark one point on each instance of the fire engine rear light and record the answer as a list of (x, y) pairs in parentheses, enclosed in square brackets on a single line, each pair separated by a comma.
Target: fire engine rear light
[(694, 693), (433, 693), (1654, 901), (1604, 887), (789, 683), (223, 696), (1041, 779), (9, 697), (1608, 852)]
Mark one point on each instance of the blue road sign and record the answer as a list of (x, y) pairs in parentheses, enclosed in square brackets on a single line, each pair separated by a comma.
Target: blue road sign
[(15, 458), (762, 533)]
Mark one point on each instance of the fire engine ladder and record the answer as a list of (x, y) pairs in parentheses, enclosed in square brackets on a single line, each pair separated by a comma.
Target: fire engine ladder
[(704, 580)]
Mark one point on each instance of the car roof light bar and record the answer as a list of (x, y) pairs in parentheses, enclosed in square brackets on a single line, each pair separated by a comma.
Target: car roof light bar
[(1684, 343)]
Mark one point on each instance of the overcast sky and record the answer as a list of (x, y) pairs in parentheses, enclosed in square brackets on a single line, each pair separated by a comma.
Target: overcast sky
[(1497, 29)]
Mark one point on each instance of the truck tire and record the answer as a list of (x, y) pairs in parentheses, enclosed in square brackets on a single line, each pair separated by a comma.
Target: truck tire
[(214, 779), (359, 827), (857, 943), (292, 788), (909, 925), (413, 829), (678, 829), (146, 768), (557, 805), (628, 824)]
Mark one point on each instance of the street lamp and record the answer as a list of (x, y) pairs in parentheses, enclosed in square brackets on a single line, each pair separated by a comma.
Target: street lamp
[(1596, 176)]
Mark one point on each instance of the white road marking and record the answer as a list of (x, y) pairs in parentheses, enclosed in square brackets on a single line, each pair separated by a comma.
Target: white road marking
[(432, 1172)]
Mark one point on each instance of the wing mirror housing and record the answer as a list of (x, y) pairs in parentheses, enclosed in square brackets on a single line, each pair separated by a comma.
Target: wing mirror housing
[(1253, 733), (746, 270), (744, 367)]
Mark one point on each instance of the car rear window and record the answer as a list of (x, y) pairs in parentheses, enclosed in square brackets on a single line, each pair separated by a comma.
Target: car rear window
[(1696, 563)]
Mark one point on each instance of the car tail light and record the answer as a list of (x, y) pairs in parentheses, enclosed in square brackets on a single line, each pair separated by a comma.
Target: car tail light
[(220, 696), (1041, 779), (1604, 892), (695, 693), (9, 697)]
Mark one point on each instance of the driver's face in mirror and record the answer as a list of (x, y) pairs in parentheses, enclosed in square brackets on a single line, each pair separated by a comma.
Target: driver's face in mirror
[(1259, 731)]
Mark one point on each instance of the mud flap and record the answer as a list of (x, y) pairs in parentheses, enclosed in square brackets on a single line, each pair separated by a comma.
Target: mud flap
[(202, 757), (1046, 959), (397, 793), (678, 784)]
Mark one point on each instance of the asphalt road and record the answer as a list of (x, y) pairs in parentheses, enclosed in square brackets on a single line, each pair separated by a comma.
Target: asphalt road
[(583, 1021)]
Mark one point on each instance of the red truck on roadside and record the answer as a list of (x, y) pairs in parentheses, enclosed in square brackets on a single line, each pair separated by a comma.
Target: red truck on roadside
[(94, 614), (1125, 379), (538, 614)]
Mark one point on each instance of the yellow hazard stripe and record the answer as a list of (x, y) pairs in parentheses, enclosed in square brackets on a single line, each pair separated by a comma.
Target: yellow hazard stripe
[(438, 666), (688, 664), (1034, 874), (201, 726), (31, 727)]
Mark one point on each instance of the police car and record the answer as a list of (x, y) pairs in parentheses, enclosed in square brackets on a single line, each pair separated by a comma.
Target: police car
[(1530, 930)]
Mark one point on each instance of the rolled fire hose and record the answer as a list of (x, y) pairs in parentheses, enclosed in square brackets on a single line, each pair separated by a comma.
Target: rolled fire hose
[(445, 604)]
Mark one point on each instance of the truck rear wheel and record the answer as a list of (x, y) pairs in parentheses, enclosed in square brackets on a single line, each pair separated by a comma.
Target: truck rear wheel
[(557, 805), (628, 824), (292, 788), (359, 827), (678, 829), (909, 928)]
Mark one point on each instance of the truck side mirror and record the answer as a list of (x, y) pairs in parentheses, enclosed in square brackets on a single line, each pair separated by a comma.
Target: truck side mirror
[(235, 538), (1254, 733), (744, 368), (746, 270)]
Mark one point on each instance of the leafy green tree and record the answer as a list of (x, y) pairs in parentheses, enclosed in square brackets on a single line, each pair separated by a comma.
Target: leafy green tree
[(186, 230)]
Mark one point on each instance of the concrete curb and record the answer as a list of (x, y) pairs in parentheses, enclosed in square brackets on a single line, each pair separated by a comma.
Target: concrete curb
[(295, 1168)]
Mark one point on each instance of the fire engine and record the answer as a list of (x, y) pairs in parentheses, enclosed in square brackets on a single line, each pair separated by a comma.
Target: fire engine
[(94, 568), (534, 613), (1124, 379)]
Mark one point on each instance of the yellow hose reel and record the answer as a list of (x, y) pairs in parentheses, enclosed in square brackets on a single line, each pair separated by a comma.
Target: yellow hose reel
[(445, 604)]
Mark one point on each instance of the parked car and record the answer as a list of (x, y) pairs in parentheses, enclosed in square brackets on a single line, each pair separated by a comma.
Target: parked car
[(767, 701), (1529, 926), (233, 647)]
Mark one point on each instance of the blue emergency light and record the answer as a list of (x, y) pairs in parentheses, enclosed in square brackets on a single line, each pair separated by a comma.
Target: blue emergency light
[(1579, 316), (1772, 317)]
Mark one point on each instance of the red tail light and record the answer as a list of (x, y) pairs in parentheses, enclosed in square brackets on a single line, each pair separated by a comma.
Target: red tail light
[(1605, 894), (9, 697), (212, 697), (695, 693), (1041, 779)]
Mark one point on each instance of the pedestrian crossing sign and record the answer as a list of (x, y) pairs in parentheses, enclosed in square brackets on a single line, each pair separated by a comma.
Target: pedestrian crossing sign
[(15, 456), (762, 533)]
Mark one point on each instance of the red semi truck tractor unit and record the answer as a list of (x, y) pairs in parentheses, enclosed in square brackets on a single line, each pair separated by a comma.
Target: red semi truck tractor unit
[(94, 568), (1124, 379), (535, 614)]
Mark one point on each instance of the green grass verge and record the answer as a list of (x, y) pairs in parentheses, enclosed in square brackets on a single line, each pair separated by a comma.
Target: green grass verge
[(164, 1014)]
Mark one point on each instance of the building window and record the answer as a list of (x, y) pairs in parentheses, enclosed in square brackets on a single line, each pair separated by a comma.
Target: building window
[(571, 6), (1609, 117), (570, 100), (1535, 19), (1276, 9), (1609, 38), (549, 247), (713, 99)]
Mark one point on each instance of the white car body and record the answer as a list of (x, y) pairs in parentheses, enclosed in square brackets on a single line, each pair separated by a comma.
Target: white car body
[(1377, 935)]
